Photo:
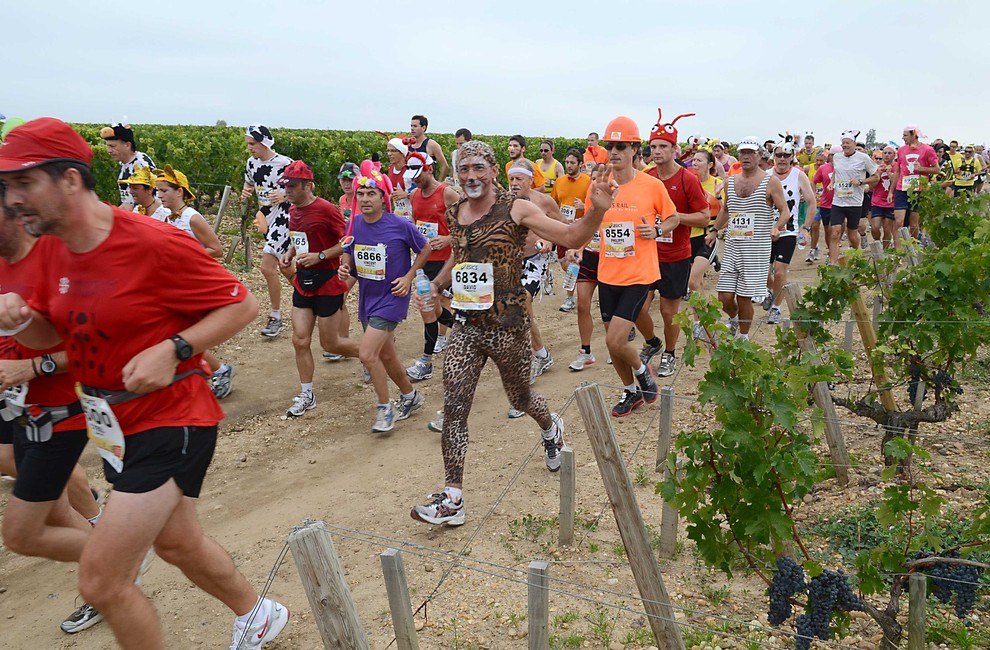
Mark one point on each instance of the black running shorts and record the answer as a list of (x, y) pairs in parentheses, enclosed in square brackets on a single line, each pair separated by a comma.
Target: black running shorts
[(44, 468), (154, 456), (622, 301)]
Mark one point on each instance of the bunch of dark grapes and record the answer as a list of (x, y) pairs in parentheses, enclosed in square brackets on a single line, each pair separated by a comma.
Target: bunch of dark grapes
[(960, 579), (788, 580), (827, 592)]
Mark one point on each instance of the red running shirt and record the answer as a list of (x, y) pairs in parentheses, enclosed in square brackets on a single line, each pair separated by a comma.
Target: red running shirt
[(324, 227), (21, 278), (145, 282), (685, 190), (431, 209)]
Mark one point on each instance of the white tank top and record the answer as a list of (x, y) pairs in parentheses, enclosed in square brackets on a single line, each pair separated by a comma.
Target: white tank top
[(182, 222)]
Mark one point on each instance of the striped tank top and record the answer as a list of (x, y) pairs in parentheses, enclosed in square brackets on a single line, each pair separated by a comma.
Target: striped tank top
[(750, 218)]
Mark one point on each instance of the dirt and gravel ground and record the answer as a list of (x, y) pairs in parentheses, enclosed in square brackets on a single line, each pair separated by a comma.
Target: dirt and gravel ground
[(270, 474)]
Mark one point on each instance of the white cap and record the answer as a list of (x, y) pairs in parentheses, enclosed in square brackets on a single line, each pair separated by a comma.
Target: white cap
[(749, 143)]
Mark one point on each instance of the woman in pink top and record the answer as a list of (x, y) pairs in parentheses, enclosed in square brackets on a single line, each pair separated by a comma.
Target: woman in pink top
[(882, 209)]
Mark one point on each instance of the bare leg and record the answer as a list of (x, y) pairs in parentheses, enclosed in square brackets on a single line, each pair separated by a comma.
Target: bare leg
[(269, 269)]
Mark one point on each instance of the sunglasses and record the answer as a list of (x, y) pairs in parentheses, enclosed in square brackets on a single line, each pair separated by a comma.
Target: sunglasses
[(782, 155), (618, 146), (544, 151)]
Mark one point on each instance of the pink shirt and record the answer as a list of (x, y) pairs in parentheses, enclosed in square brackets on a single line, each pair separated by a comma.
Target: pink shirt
[(823, 175), (881, 191), (907, 157)]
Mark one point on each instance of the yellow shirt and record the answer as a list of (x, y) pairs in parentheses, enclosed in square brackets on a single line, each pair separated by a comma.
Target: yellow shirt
[(966, 171)]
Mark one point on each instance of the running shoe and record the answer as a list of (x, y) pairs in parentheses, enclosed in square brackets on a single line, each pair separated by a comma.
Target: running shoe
[(569, 304), (582, 361), (649, 351), (697, 331), (222, 381), (273, 328), (83, 618), (333, 356), (262, 629), (539, 366), (553, 442), (407, 406), (767, 300), (436, 424), (440, 345), (774, 317), (420, 370), (384, 420), (811, 255), (632, 334), (440, 510), (667, 365), (647, 385), (300, 404), (733, 325), (515, 413), (367, 375), (630, 400), (7, 477)]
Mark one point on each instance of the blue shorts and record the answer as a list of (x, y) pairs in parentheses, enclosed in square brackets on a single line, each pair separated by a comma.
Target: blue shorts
[(903, 202), (886, 213), (824, 214)]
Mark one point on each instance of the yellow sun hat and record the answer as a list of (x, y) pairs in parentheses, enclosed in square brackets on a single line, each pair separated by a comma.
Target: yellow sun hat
[(175, 177), (142, 176)]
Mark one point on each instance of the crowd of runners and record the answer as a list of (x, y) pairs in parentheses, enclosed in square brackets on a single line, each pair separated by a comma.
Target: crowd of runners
[(109, 313)]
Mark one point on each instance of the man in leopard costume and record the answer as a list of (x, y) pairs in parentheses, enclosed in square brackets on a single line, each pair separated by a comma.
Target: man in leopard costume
[(488, 229)]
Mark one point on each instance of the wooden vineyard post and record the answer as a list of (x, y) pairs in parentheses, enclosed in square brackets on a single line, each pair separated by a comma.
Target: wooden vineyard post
[(568, 497), (861, 314), (917, 587), (666, 425), (322, 576), (668, 524), (398, 600), (538, 604), (628, 517), (822, 396), (223, 206)]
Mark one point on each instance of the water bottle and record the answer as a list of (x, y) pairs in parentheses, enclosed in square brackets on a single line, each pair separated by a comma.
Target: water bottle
[(572, 275), (424, 290)]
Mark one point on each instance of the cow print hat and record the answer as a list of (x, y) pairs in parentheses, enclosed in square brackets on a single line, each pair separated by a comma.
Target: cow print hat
[(261, 134)]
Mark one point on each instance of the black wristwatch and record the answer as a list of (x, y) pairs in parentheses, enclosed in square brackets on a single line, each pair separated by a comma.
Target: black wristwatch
[(48, 365), (183, 350), (322, 256)]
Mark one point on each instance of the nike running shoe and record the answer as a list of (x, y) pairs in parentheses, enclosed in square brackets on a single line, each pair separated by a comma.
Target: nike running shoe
[(273, 328), (582, 361), (647, 385), (630, 401), (83, 618), (264, 627), (649, 351), (667, 365), (440, 510), (300, 404)]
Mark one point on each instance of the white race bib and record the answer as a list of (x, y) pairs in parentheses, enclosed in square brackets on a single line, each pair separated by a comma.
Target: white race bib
[(402, 208), (569, 212), (741, 226), (370, 261), (103, 429), (965, 177), (843, 190), (666, 239), (14, 399), (620, 239), (429, 230), (473, 286), (909, 182), (300, 241), (596, 242)]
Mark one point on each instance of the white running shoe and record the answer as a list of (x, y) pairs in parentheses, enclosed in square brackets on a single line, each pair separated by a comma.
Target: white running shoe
[(441, 344), (436, 424), (384, 420), (420, 370), (300, 404), (582, 361), (539, 366), (569, 305), (83, 618), (406, 407), (262, 629), (222, 381), (515, 413), (333, 356), (440, 510), (273, 328), (553, 442), (774, 317)]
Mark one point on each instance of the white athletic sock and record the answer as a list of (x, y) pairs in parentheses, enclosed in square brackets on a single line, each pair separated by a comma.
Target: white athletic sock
[(262, 608), (632, 388), (641, 369), (742, 336), (94, 520), (542, 353), (776, 306), (387, 406), (409, 396), (454, 494), (307, 388), (223, 368), (277, 313)]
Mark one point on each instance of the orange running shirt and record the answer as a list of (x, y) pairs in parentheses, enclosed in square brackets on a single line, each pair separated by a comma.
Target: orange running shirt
[(567, 189), (625, 258)]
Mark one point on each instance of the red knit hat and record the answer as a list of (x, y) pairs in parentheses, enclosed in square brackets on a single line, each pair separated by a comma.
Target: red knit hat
[(41, 141), (661, 131)]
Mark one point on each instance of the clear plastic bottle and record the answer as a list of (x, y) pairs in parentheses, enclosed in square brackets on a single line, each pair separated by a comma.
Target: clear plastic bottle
[(424, 290), (572, 275)]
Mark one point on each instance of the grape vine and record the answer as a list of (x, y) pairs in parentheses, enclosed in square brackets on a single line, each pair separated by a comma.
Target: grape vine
[(827, 592)]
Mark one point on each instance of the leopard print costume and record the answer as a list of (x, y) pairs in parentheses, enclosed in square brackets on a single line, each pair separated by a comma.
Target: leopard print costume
[(501, 333)]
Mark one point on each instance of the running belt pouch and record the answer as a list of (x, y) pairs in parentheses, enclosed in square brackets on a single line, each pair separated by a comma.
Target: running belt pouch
[(37, 429), (313, 279)]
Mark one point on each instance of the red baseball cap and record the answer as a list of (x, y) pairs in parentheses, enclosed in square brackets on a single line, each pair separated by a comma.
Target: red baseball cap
[(41, 141), (296, 170)]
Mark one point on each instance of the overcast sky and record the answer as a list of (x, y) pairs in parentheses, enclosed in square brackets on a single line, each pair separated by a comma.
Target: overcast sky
[(554, 68)]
